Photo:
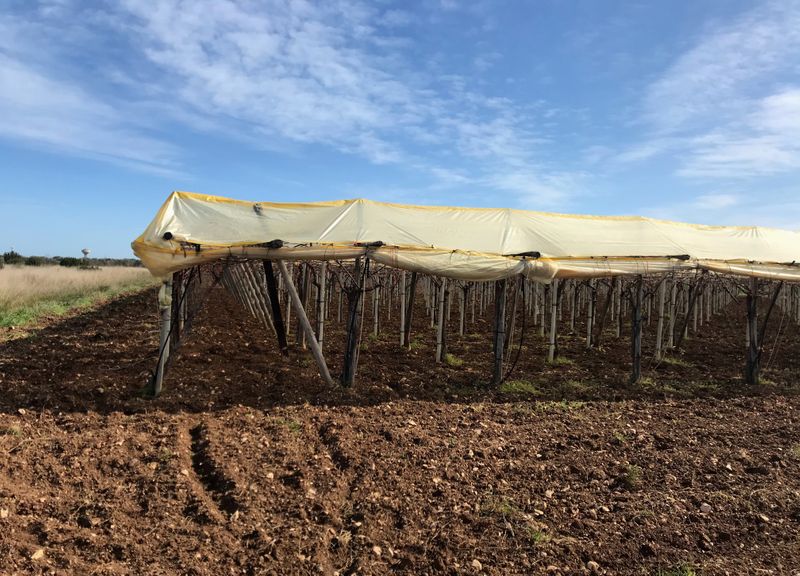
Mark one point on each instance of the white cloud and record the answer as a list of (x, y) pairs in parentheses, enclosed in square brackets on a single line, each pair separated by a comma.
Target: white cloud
[(767, 141), (723, 108), (733, 210), (715, 201), (56, 114), (711, 81), (273, 75), (536, 190)]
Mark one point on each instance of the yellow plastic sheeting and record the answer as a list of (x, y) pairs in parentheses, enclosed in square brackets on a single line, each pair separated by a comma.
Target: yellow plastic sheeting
[(467, 243)]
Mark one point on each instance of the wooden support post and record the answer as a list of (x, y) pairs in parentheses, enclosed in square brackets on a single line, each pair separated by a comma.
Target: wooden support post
[(694, 295), (277, 315), (763, 331), (662, 289), (752, 367), (178, 279), (288, 308), (636, 330), (339, 306), (376, 309), (499, 330), (402, 308), (687, 296), (618, 309), (512, 326), (412, 291), (673, 310), (600, 324), (303, 294), (165, 323), (573, 302), (462, 312), (552, 350), (592, 296), (542, 312), (322, 301), (354, 323), (441, 320), (432, 296), (472, 299), (305, 324)]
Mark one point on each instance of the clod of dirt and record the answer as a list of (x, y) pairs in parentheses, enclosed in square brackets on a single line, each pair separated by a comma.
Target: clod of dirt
[(705, 508)]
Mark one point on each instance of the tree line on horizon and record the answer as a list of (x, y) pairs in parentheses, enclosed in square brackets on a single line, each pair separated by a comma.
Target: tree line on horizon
[(13, 258)]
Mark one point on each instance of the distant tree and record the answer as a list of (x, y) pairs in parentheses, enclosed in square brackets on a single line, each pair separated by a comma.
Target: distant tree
[(34, 261), (2, 262), (13, 258), (70, 262)]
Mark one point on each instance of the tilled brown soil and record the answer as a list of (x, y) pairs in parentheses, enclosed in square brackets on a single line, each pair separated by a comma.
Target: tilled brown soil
[(247, 465)]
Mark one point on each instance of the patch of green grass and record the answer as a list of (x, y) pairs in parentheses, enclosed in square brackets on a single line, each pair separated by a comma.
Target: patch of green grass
[(685, 389), (57, 307), (563, 405), (293, 425), (795, 450), (562, 361), (165, 455), (11, 431), (620, 437), (451, 360), (537, 536), (676, 361), (519, 387), (575, 387), (416, 344), (682, 569), (632, 477), (499, 506)]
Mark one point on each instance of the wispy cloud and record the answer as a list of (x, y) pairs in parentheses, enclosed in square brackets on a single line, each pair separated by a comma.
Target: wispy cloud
[(337, 74), (59, 115), (726, 107), (735, 209), (766, 141), (715, 201), (711, 81)]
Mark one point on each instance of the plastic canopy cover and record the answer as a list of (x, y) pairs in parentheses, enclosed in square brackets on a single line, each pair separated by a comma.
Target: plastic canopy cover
[(465, 243)]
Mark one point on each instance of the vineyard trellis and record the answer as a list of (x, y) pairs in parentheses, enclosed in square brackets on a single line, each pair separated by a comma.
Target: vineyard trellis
[(680, 304)]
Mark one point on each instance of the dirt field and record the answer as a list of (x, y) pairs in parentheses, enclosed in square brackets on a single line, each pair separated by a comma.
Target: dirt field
[(247, 465)]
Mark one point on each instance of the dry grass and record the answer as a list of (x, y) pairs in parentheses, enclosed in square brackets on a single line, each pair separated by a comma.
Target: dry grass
[(27, 293)]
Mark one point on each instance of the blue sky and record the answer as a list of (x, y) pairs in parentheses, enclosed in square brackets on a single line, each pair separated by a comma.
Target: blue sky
[(683, 110)]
